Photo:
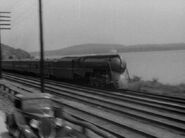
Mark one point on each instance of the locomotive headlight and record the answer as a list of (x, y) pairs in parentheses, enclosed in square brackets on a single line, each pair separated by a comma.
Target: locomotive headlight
[(58, 122), (34, 123)]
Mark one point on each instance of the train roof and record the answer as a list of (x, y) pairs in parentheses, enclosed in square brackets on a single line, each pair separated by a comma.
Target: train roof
[(71, 57), (94, 55), (91, 55)]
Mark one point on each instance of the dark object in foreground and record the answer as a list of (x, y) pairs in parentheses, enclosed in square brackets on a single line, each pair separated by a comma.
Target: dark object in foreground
[(37, 116)]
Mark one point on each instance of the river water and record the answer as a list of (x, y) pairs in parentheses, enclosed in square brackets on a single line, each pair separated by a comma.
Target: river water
[(166, 66)]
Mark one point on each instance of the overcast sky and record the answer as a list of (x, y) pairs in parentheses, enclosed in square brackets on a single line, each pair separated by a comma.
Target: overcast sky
[(71, 22)]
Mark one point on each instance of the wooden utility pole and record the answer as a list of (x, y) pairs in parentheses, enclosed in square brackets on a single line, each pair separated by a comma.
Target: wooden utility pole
[(4, 25), (41, 46), (0, 56)]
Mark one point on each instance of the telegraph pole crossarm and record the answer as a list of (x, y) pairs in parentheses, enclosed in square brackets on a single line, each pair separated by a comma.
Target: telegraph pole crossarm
[(5, 28), (4, 25), (5, 12), (4, 16), (4, 20)]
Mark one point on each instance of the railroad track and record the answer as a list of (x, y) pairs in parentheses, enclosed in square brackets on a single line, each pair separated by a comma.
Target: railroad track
[(122, 114), (118, 92)]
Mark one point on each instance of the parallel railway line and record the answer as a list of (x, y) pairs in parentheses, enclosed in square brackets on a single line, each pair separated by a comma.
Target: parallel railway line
[(163, 117), (178, 100)]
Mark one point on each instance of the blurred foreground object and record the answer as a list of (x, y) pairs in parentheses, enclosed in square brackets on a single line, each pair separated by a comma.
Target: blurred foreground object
[(37, 116)]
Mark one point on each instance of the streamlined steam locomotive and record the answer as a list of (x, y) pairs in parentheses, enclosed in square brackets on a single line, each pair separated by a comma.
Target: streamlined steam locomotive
[(105, 71)]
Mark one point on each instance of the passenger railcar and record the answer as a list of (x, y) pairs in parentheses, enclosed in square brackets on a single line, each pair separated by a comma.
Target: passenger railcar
[(108, 71)]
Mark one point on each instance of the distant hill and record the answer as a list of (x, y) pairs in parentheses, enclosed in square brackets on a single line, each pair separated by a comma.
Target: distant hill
[(12, 53), (109, 48), (154, 47)]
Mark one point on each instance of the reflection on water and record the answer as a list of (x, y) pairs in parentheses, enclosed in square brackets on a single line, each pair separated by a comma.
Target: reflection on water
[(167, 66)]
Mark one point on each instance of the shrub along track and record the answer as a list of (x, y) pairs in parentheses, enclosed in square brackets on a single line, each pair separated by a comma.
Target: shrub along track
[(123, 113)]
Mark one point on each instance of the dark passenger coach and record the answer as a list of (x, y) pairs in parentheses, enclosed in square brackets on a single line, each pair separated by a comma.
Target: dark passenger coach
[(105, 71)]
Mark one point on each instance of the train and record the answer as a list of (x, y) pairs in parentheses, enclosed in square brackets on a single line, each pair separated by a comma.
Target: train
[(104, 71)]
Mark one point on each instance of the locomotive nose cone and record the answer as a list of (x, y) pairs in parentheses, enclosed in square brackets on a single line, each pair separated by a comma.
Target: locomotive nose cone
[(47, 128)]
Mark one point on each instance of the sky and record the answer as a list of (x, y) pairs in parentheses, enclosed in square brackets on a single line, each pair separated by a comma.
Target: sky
[(72, 22)]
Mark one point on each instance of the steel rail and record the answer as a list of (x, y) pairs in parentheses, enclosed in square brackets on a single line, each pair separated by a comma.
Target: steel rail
[(154, 104), (121, 130), (174, 127), (136, 102), (142, 94)]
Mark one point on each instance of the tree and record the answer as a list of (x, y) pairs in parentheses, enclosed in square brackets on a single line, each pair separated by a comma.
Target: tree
[(136, 78), (155, 80), (10, 57)]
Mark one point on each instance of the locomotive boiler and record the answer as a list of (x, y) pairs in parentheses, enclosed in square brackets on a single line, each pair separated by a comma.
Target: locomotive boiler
[(105, 71)]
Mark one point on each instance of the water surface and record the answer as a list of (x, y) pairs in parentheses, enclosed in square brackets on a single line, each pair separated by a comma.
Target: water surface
[(167, 66)]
